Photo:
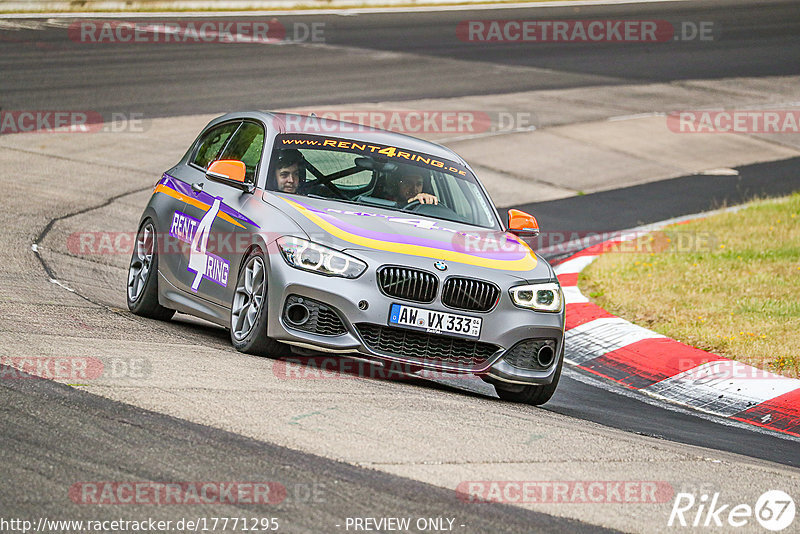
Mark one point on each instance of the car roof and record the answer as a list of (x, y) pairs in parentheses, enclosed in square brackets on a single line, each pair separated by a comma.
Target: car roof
[(302, 124)]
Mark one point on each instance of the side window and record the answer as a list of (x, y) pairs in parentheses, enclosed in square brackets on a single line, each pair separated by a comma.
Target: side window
[(212, 142), (246, 145)]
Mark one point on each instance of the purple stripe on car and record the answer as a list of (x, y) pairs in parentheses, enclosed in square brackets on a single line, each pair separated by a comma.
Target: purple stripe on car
[(491, 245), (202, 196)]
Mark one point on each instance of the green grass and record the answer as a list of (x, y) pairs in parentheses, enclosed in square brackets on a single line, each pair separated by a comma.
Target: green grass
[(729, 284)]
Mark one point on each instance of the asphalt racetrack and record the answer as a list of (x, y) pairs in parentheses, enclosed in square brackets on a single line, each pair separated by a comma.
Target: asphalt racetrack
[(344, 448)]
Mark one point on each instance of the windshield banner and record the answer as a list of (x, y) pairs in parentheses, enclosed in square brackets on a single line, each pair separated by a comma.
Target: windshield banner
[(390, 153)]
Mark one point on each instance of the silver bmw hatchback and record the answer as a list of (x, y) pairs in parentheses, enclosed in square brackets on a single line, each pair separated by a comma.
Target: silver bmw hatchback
[(302, 233)]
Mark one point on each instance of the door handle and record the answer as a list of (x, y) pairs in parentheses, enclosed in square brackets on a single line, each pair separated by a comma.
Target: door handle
[(197, 187)]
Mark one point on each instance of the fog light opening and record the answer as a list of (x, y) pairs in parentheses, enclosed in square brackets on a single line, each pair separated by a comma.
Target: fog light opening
[(545, 356), (297, 314)]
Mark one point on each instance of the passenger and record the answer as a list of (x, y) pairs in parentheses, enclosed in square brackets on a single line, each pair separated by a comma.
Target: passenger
[(290, 171), (409, 189)]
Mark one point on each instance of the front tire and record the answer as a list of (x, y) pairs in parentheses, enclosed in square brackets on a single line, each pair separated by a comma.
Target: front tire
[(535, 395), (143, 276), (249, 309)]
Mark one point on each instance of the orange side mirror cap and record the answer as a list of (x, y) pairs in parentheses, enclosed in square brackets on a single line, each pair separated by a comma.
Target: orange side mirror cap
[(227, 169), (522, 224)]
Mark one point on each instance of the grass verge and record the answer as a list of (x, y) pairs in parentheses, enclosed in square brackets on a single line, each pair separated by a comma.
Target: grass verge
[(728, 284)]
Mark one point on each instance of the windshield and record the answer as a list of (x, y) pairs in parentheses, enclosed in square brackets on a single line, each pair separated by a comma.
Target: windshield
[(382, 176)]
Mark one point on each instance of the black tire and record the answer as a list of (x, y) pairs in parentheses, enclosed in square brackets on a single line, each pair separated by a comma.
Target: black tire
[(142, 290), (535, 395), (248, 326)]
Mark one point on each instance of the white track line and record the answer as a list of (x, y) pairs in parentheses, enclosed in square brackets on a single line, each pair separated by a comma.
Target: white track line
[(335, 11)]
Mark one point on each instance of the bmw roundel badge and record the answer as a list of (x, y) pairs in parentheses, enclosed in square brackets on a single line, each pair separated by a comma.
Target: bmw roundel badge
[(440, 265)]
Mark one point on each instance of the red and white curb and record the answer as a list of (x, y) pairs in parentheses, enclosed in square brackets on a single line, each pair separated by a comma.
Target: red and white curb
[(660, 367)]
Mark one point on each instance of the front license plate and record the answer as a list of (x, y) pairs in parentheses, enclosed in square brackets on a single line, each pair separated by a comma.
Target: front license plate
[(435, 321)]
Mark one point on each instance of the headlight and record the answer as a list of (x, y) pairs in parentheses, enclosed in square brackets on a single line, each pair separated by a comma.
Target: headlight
[(310, 256), (541, 297)]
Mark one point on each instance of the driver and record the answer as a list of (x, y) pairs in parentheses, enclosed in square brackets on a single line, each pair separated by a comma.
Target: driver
[(409, 189), (289, 171)]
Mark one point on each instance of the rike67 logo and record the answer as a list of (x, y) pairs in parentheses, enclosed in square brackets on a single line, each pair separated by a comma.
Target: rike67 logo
[(774, 510)]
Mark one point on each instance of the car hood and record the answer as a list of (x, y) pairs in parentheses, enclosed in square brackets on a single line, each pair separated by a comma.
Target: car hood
[(348, 226)]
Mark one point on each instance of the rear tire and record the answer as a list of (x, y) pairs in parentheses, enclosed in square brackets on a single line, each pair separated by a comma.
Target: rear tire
[(535, 395), (249, 309), (142, 290)]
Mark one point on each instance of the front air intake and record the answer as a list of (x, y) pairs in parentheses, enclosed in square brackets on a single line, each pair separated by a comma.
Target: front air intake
[(408, 284), (469, 294)]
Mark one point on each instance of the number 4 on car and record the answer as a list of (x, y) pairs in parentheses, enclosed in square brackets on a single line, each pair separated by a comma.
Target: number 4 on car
[(366, 243)]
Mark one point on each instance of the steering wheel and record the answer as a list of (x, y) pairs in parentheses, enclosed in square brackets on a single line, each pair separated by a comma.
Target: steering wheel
[(411, 205)]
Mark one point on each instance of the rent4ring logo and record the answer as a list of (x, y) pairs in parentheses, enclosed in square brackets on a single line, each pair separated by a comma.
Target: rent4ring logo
[(201, 262), (774, 510)]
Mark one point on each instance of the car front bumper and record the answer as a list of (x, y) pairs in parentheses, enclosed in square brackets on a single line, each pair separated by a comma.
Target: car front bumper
[(359, 302)]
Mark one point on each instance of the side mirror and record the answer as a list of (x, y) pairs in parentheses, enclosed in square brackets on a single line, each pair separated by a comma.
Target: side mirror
[(522, 224), (230, 172)]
